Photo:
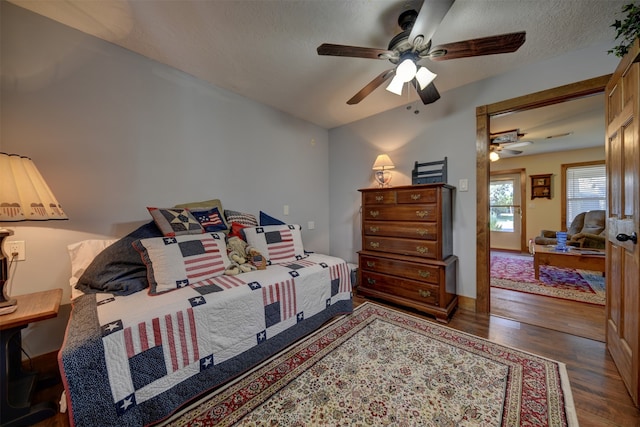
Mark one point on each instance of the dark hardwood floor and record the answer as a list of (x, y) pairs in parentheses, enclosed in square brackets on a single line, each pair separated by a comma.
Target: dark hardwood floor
[(599, 394)]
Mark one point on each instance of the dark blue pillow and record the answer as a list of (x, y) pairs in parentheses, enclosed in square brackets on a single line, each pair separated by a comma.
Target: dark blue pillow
[(269, 220), (119, 268), (209, 218)]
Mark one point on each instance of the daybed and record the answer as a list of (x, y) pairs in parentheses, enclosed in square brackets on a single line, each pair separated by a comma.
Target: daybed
[(143, 340)]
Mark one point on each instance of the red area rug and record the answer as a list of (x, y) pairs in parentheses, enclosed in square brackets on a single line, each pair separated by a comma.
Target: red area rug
[(382, 367), (517, 273)]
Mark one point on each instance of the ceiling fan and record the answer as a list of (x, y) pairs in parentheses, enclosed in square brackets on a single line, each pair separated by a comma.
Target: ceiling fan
[(413, 44), (501, 140)]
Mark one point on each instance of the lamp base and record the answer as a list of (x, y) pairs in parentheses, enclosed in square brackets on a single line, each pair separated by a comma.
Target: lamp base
[(9, 309), (384, 178), (7, 305)]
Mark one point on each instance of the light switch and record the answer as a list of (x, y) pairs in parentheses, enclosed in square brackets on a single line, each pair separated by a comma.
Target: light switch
[(311, 225), (463, 185), (286, 209)]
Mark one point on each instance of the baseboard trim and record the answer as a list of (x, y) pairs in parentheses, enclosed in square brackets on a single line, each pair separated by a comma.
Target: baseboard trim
[(467, 303)]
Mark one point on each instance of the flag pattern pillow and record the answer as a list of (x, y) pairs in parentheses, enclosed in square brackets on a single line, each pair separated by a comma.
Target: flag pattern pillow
[(174, 262), (243, 218), (175, 221), (277, 243), (210, 219)]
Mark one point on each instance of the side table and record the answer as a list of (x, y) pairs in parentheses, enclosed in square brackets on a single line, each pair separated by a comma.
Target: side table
[(16, 385)]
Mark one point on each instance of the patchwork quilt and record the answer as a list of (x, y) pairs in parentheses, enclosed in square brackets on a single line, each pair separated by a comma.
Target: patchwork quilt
[(136, 359)]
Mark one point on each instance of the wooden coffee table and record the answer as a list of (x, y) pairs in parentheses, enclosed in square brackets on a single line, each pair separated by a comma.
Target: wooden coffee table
[(586, 259)]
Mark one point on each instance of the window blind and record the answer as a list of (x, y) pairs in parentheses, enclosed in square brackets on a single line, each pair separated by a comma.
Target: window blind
[(586, 190)]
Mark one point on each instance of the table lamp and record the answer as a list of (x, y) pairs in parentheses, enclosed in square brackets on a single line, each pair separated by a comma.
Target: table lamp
[(382, 165), (24, 196)]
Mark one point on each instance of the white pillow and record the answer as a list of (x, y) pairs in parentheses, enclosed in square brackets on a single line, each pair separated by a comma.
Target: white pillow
[(277, 243), (81, 255)]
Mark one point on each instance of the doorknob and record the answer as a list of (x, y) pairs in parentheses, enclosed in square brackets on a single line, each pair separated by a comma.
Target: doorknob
[(624, 237)]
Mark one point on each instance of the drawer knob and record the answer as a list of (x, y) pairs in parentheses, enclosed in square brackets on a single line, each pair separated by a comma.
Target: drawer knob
[(424, 274), (374, 229), (422, 249), (375, 245), (423, 293), (422, 214), (374, 213), (371, 281), (371, 264), (379, 198), (421, 231), (416, 196)]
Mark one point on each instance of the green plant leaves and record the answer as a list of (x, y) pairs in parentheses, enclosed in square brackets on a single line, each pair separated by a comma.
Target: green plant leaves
[(627, 30)]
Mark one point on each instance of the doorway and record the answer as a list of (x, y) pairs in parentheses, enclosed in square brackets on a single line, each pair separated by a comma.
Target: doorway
[(483, 116), (507, 218)]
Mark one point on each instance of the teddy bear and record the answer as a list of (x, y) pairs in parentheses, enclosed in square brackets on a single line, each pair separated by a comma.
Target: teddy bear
[(243, 257)]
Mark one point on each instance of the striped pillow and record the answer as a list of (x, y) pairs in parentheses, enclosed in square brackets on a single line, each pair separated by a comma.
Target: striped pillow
[(247, 219), (277, 243), (179, 261)]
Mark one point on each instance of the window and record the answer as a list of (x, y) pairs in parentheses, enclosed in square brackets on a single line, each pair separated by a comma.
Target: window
[(585, 188), (501, 205)]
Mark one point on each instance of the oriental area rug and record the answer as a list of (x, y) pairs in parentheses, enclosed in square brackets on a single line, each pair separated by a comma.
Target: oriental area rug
[(516, 273), (381, 367)]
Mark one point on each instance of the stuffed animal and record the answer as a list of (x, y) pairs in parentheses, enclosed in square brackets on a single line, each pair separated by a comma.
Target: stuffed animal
[(242, 257), (256, 258)]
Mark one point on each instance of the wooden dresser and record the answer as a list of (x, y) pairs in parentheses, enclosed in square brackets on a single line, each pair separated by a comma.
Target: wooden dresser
[(407, 247)]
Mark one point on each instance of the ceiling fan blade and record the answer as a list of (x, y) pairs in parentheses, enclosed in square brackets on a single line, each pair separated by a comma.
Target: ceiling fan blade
[(503, 43), (353, 51), (512, 152), (429, 94), (370, 87), (431, 14)]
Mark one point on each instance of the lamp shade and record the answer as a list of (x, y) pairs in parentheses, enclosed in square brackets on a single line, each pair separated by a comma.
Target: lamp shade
[(24, 194), (382, 162), (424, 77)]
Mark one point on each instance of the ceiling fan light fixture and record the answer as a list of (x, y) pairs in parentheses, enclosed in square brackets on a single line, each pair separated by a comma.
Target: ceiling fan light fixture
[(424, 77), (406, 70), (493, 156), (396, 85)]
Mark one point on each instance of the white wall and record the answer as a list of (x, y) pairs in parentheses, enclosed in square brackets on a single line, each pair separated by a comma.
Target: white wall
[(113, 132), (445, 128)]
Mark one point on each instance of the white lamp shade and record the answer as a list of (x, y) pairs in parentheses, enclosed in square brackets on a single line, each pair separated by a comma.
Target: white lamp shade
[(406, 70), (24, 195), (424, 77), (493, 156), (396, 85), (382, 162)]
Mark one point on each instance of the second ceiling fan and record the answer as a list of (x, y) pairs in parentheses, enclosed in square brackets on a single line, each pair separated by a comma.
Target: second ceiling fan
[(413, 44)]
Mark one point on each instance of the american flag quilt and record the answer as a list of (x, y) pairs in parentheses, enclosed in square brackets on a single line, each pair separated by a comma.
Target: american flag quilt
[(134, 360)]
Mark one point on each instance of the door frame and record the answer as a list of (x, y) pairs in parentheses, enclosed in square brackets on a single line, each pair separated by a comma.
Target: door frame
[(523, 201), (483, 117)]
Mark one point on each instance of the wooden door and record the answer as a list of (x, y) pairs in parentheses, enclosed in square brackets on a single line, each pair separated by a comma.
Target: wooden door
[(623, 213)]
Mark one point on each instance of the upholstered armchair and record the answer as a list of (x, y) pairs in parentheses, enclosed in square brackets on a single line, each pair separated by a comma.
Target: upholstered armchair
[(587, 230)]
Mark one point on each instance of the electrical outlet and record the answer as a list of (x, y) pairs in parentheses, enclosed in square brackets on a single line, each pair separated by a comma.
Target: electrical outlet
[(16, 247)]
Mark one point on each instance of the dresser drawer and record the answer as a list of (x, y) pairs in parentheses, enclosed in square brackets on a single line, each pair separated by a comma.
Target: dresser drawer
[(412, 247), (417, 291), (401, 213), (410, 270), (424, 230), (423, 195), (380, 198)]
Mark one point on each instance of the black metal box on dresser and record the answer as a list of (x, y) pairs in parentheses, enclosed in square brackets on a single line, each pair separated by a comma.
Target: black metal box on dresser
[(407, 247)]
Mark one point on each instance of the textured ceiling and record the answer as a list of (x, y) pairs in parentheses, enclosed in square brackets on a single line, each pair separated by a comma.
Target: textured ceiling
[(266, 49)]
